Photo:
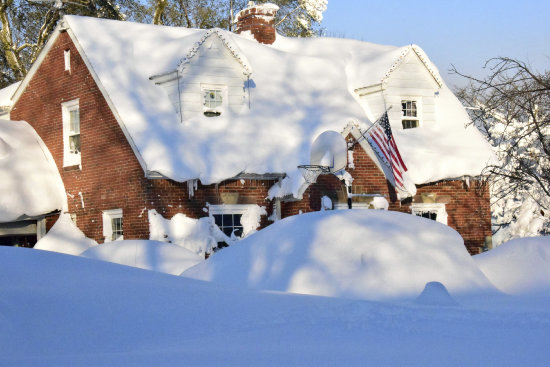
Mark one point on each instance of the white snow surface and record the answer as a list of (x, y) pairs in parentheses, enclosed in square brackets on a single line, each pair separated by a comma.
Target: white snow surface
[(151, 255), (199, 236), (302, 87), (65, 237), (366, 254), (518, 266), (59, 310), (30, 183), (6, 94)]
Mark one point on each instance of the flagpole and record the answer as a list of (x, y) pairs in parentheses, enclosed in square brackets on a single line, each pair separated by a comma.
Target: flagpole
[(370, 127)]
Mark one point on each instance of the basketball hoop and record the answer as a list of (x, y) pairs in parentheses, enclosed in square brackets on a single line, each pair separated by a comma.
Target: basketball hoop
[(312, 171)]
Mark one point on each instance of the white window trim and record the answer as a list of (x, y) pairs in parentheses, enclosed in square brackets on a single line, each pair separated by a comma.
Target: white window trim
[(108, 215), (438, 208), (69, 159), (67, 59), (418, 117), (359, 205), (220, 87)]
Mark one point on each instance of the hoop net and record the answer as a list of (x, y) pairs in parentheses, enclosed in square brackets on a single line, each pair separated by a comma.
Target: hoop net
[(312, 171)]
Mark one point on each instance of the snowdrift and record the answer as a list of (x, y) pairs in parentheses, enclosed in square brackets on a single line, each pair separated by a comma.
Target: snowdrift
[(518, 266), (151, 255), (65, 237), (363, 254)]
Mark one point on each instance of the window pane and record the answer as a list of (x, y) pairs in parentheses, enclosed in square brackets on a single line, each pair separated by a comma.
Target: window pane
[(218, 219), (237, 220), (410, 124), (116, 227), (74, 123), (227, 220), (409, 108), (74, 144), (212, 98)]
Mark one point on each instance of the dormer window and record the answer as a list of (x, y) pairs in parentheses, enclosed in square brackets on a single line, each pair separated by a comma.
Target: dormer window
[(212, 100), (410, 113)]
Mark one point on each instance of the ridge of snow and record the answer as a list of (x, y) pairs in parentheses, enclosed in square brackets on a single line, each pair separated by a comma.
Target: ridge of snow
[(227, 42), (65, 237), (145, 254), (362, 254), (6, 94)]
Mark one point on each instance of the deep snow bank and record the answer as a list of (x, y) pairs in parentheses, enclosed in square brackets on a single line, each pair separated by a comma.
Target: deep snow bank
[(518, 266), (150, 255), (350, 253)]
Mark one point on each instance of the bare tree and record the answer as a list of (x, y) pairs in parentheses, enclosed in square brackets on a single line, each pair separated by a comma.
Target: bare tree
[(26, 27), (511, 107)]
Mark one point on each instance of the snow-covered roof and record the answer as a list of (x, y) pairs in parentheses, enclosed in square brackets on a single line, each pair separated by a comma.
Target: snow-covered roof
[(300, 88), (30, 184), (5, 97)]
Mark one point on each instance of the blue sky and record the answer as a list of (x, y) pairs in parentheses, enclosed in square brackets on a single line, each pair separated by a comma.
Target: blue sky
[(463, 33)]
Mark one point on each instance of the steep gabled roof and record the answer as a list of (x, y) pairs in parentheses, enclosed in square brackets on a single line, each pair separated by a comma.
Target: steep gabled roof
[(422, 56)]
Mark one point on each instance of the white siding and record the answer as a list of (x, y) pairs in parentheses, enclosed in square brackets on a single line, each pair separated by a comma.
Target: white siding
[(213, 65), (410, 80)]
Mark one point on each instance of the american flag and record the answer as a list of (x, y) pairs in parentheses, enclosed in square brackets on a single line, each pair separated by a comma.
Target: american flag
[(381, 139)]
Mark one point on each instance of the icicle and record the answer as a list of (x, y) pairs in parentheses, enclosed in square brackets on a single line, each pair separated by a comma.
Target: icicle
[(81, 199), (192, 186)]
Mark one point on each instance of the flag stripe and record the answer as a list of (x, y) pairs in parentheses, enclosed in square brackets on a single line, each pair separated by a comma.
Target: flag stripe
[(381, 137)]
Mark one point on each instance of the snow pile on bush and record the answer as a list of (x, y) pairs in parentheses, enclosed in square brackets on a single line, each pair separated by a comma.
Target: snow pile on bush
[(364, 254), (151, 255), (199, 236), (518, 266), (65, 237)]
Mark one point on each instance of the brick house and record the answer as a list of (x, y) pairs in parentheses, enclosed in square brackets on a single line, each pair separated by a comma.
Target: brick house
[(210, 123)]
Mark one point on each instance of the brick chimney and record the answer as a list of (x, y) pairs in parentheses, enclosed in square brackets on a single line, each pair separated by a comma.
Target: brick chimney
[(259, 20)]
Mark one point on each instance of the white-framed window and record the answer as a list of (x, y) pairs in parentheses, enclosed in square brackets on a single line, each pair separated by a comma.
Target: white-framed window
[(433, 211), (213, 99), (232, 218), (71, 133), (67, 59), (112, 225), (410, 112)]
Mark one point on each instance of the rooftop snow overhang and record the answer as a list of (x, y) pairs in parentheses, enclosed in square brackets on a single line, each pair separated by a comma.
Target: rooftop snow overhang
[(227, 42)]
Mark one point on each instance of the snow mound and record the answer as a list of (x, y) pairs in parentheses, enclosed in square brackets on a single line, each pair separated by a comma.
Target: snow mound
[(435, 293), (65, 237), (518, 266), (151, 255), (363, 254)]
